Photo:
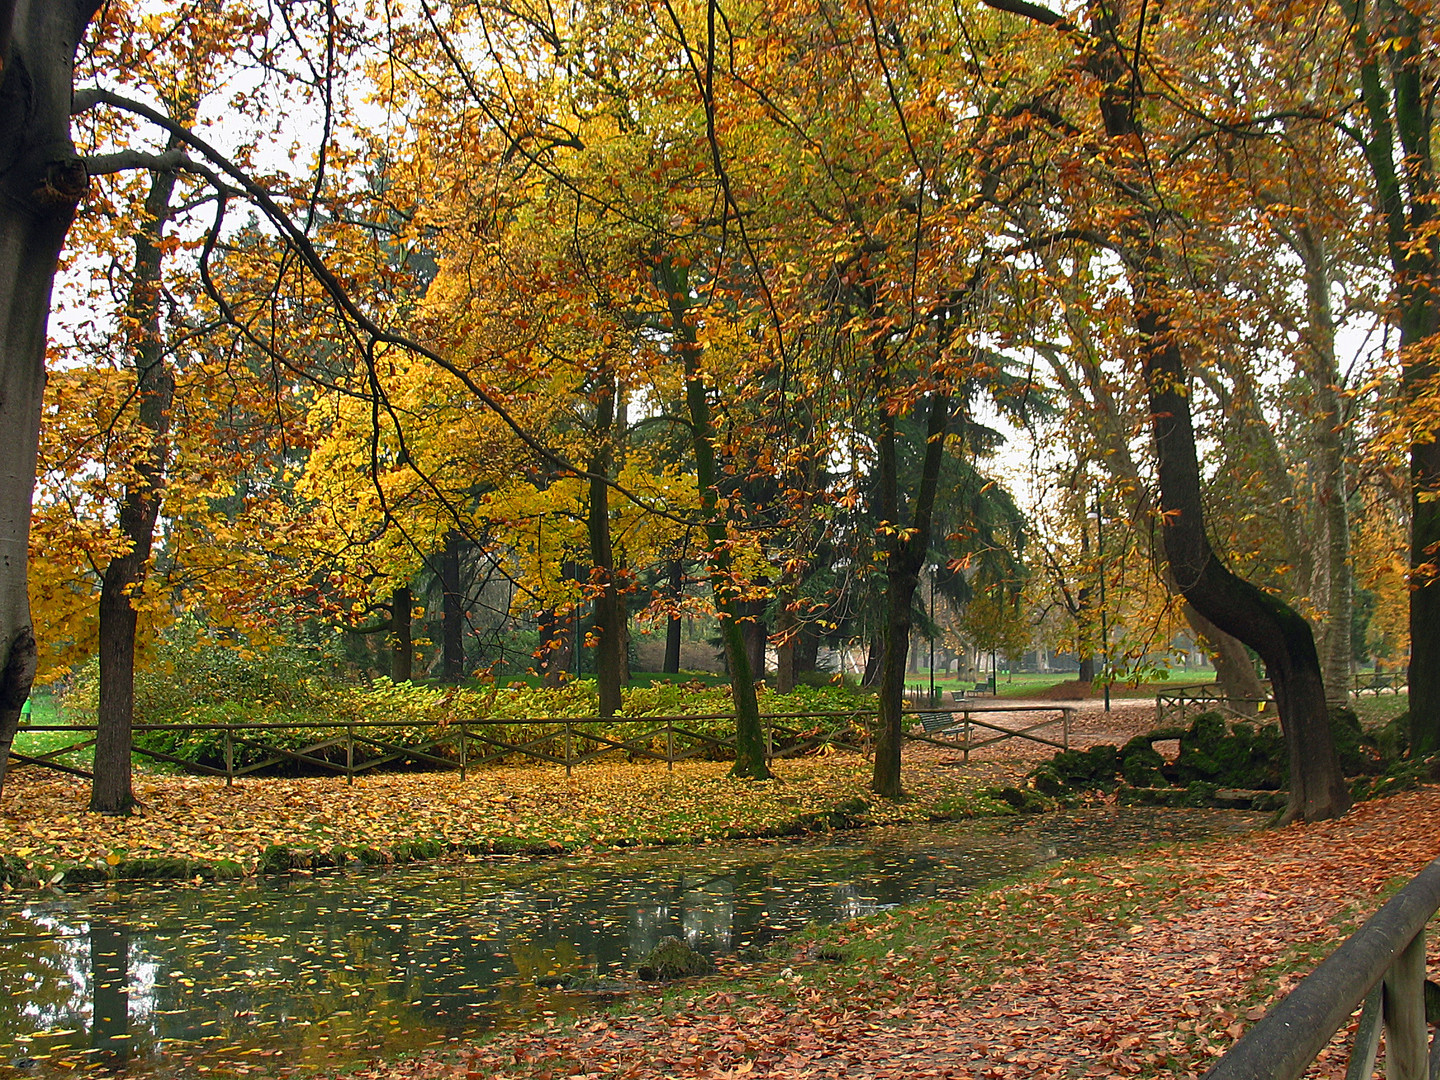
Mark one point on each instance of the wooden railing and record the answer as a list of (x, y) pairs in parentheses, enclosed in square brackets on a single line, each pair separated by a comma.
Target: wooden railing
[(1382, 965), (968, 733), (1176, 706), (357, 747)]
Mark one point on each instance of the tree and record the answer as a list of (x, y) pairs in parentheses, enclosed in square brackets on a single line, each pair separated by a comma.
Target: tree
[(1117, 136), (42, 180)]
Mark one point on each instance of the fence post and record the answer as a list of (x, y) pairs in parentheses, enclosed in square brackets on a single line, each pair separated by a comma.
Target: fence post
[(1065, 713), (462, 750), (229, 755), (350, 755), (567, 749), (669, 745), (967, 736), (1406, 1052)]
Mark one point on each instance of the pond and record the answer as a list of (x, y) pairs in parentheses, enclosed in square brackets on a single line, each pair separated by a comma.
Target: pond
[(310, 973)]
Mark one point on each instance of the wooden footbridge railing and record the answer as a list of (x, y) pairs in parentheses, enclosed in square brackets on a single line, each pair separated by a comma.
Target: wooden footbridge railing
[(1382, 965)]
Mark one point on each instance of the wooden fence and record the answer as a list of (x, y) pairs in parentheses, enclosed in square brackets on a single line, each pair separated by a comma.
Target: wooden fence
[(358, 747), (1382, 965), (1176, 706)]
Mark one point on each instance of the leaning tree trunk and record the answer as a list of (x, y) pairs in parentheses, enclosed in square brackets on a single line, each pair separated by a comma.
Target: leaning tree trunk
[(1272, 628), (41, 182), (112, 792)]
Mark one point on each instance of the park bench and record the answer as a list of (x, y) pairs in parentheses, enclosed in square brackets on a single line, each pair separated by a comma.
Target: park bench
[(938, 723)]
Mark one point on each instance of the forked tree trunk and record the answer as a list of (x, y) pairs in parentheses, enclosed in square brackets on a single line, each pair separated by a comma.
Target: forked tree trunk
[(41, 182)]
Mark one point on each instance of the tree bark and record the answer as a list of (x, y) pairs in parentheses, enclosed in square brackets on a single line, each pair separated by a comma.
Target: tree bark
[(402, 647), (787, 639), (673, 624), (112, 791), (611, 647), (1405, 190), (1328, 424), (41, 182), (905, 555), (750, 762), (453, 614)]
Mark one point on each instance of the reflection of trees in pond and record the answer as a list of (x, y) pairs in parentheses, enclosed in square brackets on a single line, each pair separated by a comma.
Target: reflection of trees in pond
[(110, 983), (46, 975)]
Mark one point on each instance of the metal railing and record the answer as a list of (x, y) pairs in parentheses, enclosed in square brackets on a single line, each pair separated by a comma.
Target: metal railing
[(1382, 965)]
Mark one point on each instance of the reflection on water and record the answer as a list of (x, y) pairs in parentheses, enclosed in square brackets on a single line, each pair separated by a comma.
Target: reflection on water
[(315, 972)]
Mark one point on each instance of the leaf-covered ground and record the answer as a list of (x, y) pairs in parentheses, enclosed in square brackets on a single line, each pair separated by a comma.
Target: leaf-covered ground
[(1148, 965), (196, 826)]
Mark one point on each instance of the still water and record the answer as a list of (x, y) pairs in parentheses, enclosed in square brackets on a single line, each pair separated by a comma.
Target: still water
[(316, 972)]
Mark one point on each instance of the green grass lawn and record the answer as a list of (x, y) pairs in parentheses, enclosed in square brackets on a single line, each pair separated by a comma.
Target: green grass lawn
[(1029, 683), (45, 709)]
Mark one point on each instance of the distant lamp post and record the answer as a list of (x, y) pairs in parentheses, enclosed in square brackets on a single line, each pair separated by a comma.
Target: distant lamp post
[(933, 571), (1104, 628)]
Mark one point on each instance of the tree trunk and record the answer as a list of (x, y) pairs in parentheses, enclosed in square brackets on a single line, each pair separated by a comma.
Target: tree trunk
[(41, 182), (1336, 595), (555, 652), (1272, 628), (870, 677), (673, 624), (453, 614), (904, 558), (1269, 626), (611, 649), (1398, 105), (112, 791), (750, 761), (787, 638), (757, 636), (807, 648), (402, 648), (1234, 670)]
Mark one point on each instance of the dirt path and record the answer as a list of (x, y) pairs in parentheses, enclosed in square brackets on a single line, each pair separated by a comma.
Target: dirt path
[(1090, 725)]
